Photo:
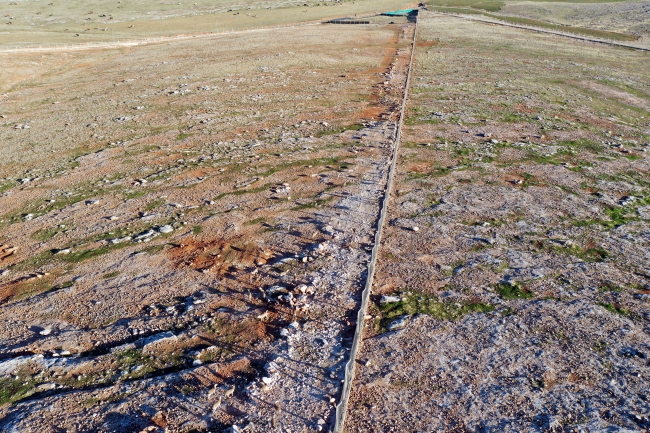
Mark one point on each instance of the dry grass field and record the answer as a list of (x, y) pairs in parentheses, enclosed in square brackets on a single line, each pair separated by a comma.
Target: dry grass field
[(625, 21), (40, 22), (183, 218), (186, 226), (628, 16)]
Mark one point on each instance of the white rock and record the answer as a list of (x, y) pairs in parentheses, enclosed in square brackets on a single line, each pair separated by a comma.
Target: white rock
[(120, 240), (11, 365), (399, 323), (145, 235), (162, 337), (276, 290), (389, 299), (46, 387), (166, 229), (46, 331), (416, 229)]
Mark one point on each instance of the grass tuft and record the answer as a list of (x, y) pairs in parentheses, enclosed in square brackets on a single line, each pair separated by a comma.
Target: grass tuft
[(510, 291), (420, 303), (15, 389)]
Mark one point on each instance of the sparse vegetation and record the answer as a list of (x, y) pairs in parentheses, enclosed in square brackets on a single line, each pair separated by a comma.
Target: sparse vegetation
[(15, 389), (413, 303), (614, 308), (511, 291), (225, 188)]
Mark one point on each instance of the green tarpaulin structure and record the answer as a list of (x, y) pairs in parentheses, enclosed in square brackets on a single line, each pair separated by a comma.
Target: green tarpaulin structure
[(399, 13)]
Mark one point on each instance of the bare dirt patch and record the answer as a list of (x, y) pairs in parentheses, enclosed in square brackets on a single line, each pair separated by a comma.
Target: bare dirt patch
[(218, 256), (610, 92)]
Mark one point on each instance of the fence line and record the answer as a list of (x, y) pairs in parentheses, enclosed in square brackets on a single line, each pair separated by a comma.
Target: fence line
[(341, 409)]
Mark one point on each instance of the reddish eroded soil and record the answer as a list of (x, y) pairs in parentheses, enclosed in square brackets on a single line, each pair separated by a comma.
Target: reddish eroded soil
[(218, 256)]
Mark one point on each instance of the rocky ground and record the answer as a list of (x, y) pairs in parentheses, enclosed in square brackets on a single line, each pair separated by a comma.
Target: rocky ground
[(185, 230), (512, 287), (189, 254)]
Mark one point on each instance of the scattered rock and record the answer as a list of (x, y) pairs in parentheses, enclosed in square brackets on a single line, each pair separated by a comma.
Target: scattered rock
[(389, 299), (398, 323), (166, 229), (120, 240), (6, 251)]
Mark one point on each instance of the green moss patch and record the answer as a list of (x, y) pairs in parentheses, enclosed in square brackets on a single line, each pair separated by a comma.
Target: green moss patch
[(511, 291), (413, 303)]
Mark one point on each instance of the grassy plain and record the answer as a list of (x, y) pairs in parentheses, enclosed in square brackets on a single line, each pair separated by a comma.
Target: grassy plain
[(609, 19), (78, 22)]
